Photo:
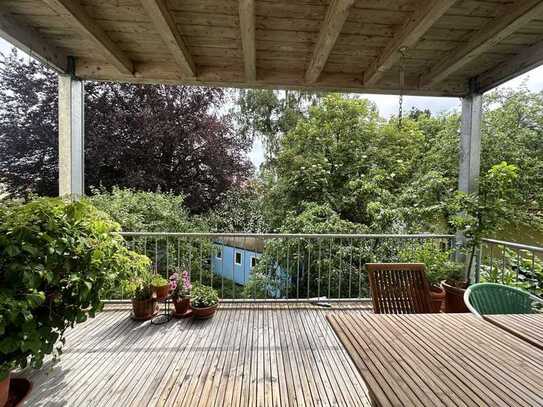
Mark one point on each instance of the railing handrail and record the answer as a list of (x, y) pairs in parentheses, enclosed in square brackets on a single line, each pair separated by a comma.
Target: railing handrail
[(291, 235), (514, 245)]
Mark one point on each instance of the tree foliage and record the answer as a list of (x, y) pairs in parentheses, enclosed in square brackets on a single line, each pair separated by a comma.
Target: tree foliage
[(168, 138)]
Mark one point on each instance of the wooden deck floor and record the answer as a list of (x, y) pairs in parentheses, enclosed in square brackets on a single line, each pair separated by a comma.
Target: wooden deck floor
[(248, 354)]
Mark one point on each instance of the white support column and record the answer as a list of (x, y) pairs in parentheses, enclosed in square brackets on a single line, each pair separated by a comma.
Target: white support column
[(470, 144), (71, 129), (470, 151)]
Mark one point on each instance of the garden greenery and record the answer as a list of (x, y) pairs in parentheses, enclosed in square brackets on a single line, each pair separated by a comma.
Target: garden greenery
[(57, 258), (202, 296)]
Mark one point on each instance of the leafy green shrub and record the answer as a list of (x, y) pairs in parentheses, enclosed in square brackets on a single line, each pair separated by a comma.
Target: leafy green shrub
[(203, 296), (439, 265), (159, 281), (56, 259)]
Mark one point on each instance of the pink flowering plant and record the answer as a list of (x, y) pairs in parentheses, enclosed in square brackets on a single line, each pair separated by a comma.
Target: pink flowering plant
[(180, 288)]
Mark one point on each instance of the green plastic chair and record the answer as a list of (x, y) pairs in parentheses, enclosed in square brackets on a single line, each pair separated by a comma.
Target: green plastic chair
[(490, 298)]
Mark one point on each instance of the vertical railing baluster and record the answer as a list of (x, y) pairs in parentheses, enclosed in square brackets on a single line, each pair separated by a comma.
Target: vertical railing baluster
[(350, 265), (167, 258), (518, 265), (320, 267), (360, 269), (200, 263), (309, 243), (156, 255), (222, 268), (287, 277), (503, 263), (491, 259), (298, 272), (340, 266), (330, 268)]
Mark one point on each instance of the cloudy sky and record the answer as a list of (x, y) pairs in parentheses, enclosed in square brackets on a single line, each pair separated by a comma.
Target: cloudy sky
[(388, 105)]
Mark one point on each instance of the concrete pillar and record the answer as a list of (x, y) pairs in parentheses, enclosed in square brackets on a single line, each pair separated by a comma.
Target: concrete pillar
[(470, 144), (470, 153), (71, 129)]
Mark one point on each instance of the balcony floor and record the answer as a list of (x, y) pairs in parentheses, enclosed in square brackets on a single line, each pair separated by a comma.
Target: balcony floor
[(248, 354)]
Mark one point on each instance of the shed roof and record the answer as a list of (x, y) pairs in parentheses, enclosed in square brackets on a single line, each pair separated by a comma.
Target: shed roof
[(451, 46)]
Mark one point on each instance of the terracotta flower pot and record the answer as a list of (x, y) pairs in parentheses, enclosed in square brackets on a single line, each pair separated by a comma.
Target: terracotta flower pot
[(437, 295), (161, 292), (143, 309), (202, 313), (182, 307), (4, 390), (454, 296), (19, 389)]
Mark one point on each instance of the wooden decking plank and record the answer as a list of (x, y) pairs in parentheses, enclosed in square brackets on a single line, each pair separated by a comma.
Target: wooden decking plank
[(166, 386), (204, 361), (218, 396), (167, 364), (213, 376), (112, 360), (310, 393), (286, 356), (316, 359), (283, 389), (201, 339), (72, 342), (172, 337), (349, 376), (90, 368), (119, 370)]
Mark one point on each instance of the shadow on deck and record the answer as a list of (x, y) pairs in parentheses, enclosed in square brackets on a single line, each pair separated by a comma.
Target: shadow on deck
[(248, 354)]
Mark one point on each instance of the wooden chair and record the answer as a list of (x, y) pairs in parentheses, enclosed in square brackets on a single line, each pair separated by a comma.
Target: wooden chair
[(398, 288)]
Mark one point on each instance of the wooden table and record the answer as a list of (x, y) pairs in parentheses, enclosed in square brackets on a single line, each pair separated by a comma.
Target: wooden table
[(441, 359), (528, 327)]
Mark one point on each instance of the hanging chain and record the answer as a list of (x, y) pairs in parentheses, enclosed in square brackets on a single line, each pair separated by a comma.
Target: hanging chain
[(402, 51)]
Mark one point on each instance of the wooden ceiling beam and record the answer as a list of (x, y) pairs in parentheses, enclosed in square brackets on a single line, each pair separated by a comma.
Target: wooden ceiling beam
[(77, 17), (426, 14), (248, 40), (331, 27), (29, 40), (512, 19), (166, 27), (530, 58)]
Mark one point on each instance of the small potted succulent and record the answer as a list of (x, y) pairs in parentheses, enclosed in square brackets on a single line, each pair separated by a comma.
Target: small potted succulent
[(181, 294), (161, 287), (203, 301)]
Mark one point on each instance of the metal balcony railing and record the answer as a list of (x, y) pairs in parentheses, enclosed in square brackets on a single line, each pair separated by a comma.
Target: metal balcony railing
[(286, 267), (512, 264)]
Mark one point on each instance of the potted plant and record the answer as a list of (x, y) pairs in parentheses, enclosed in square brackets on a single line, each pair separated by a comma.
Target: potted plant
[(203, 301), (477, 216), (56, 260), (438, 268), (161, 287), (181, 294), (143, 300)]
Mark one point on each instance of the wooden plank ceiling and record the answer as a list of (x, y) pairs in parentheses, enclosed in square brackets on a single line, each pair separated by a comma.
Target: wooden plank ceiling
[(350, 45)]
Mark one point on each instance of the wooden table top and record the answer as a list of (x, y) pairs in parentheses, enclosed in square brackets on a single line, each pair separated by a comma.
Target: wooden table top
[(528, 327), (441, 359)]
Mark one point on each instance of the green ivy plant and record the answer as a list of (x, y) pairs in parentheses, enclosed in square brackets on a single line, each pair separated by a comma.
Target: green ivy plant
[(56, 259), (203, 296)]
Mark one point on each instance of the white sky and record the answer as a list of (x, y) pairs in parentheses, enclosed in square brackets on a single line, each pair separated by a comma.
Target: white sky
[(388, 104)]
